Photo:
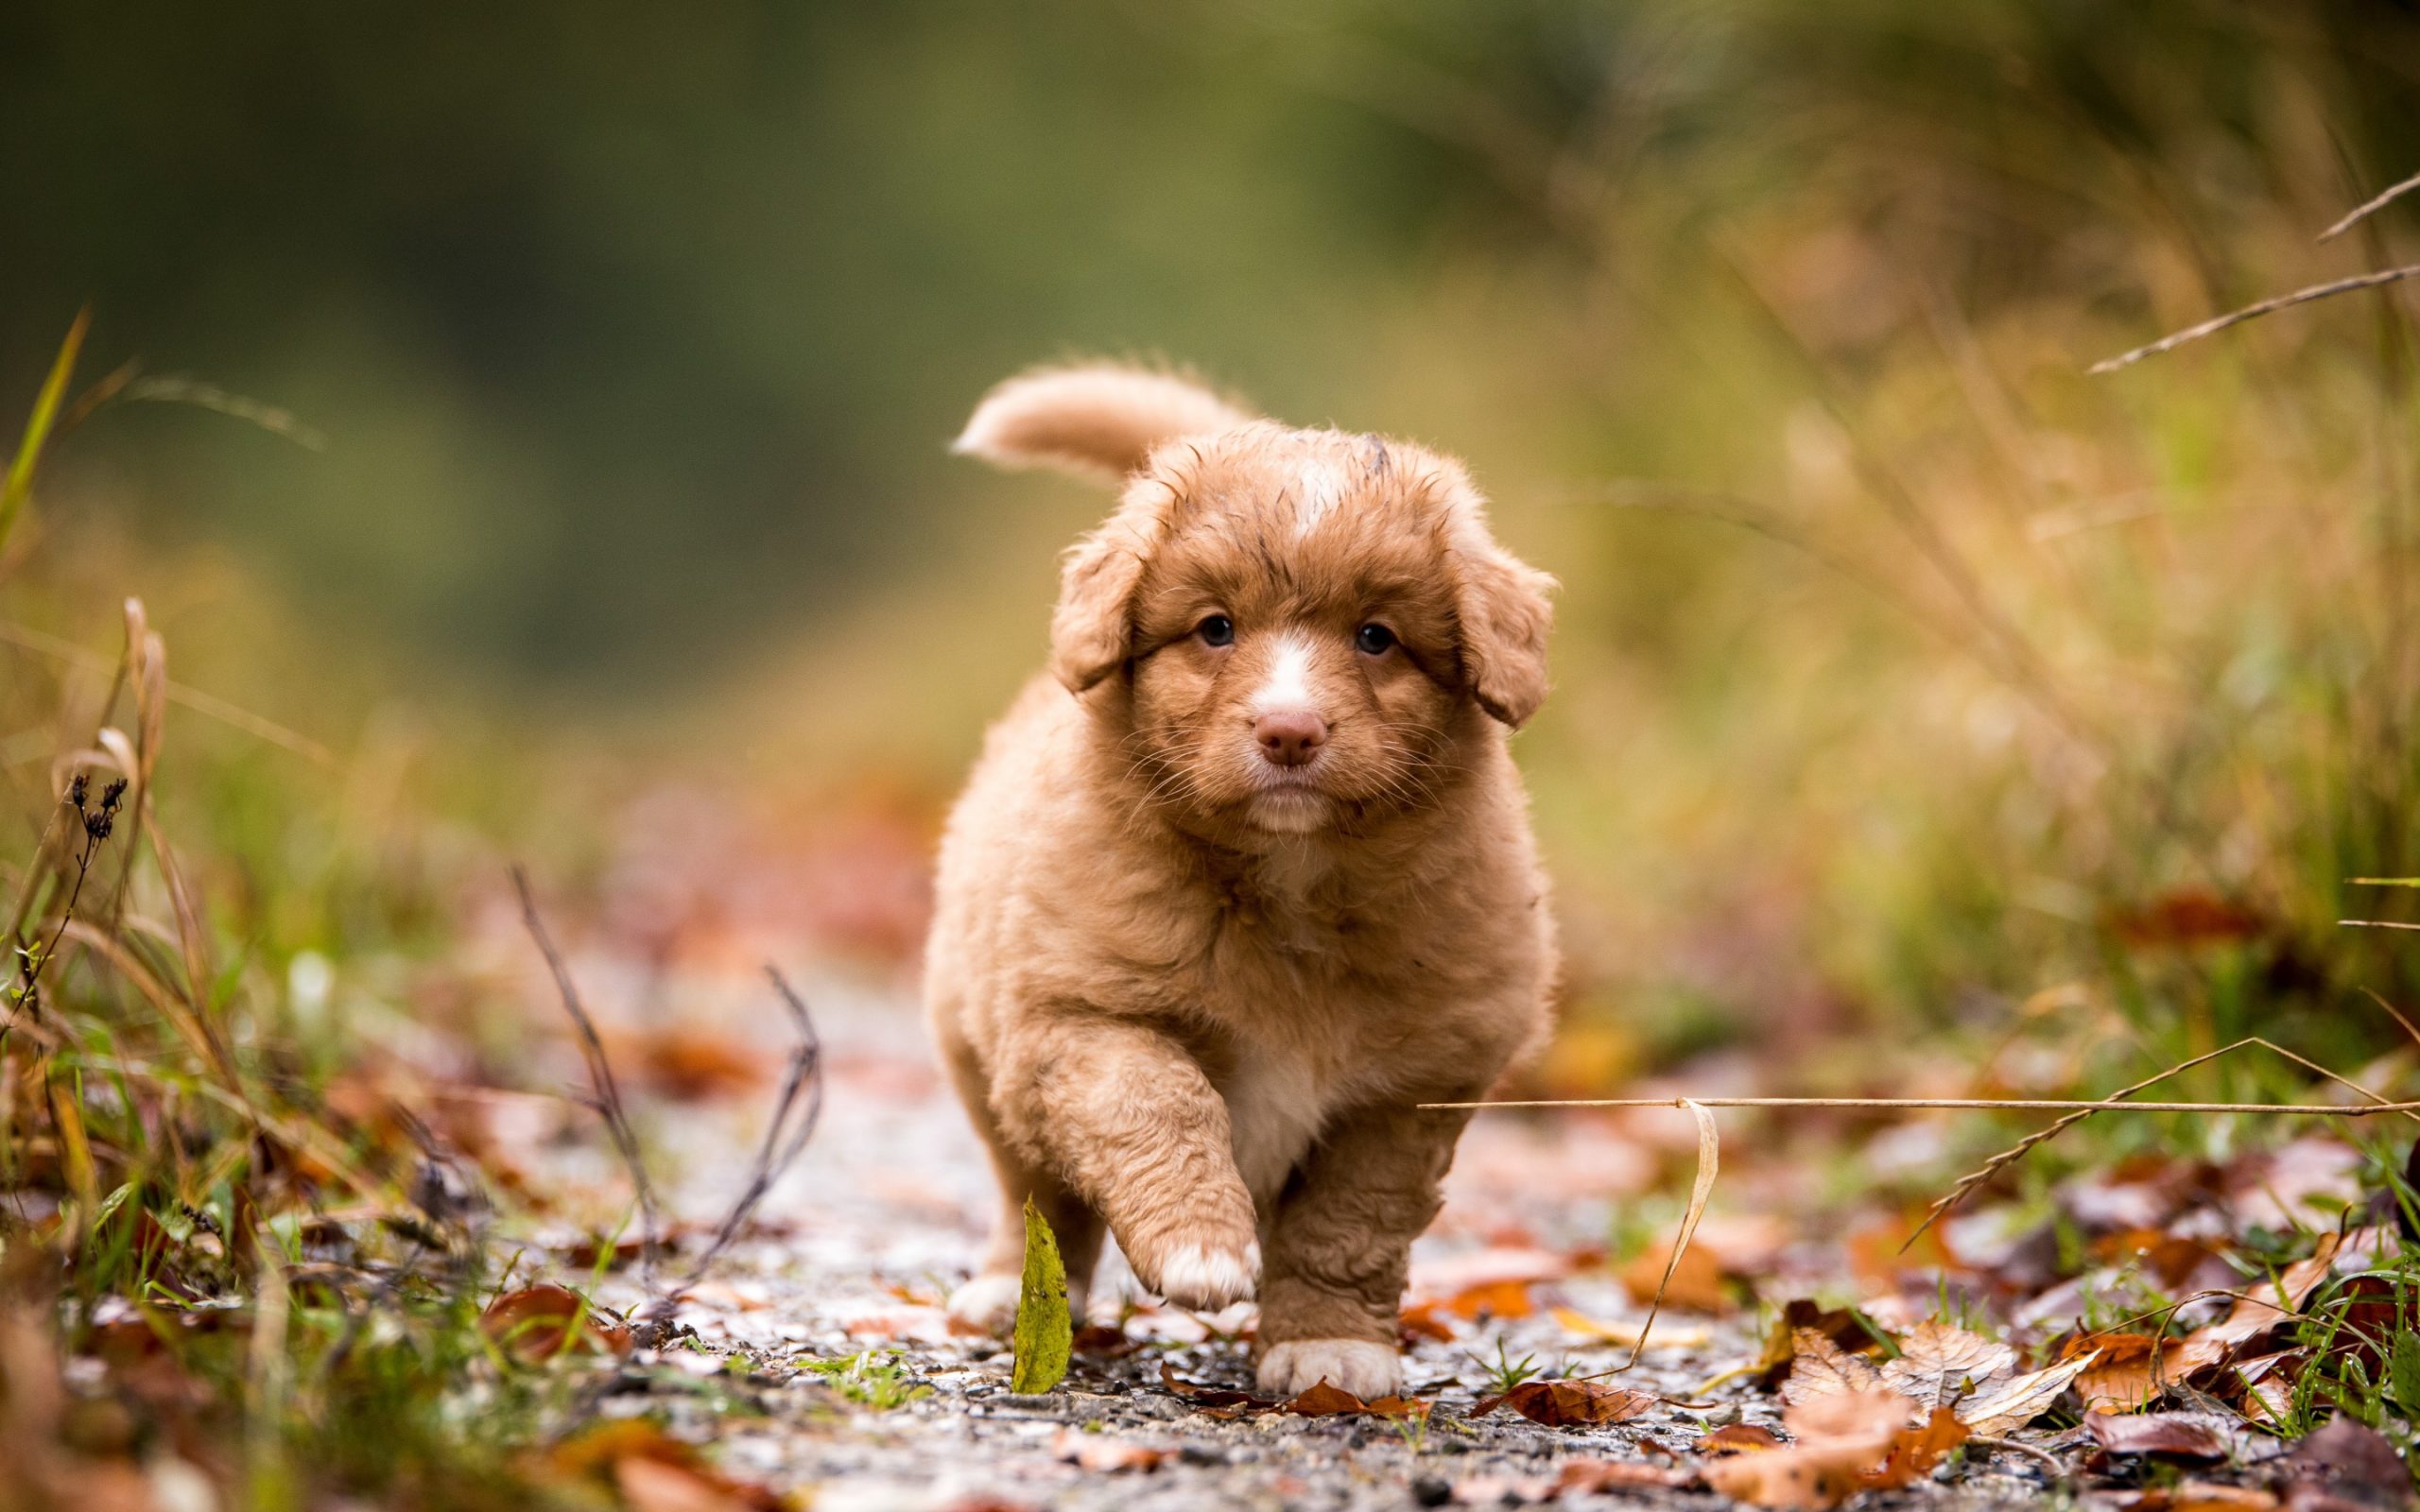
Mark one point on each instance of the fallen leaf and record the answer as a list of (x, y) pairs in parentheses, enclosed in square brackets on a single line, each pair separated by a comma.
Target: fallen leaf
[(1626, 1334), (2353, 1465), (1699, 1282), (655, 1471), (1821, 1368), (1737, 1438), (2268, 1383), (1103, 1339), (2180, 1435), (1102, 1455), (652, 1486), (1207, 1395), (1882, 1252), (1593, 1476), (1044, 1334), (1504, 1298), (2012, 1403), (1848, 1442), (1324, 1401), (1568, 1403), (687, 1063), (1938, 1365), (1838, 1324), (537, 1323), (1420, 1321)]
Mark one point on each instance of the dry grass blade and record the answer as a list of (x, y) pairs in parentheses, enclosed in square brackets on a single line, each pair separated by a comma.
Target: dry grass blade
[(232, 715), (2253, 312), (608, 1099), (2370, 207), (785, 1136), (1709, 1161), (2019, 1151)]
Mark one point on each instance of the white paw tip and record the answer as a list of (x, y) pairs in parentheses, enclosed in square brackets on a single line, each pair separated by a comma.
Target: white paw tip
[(1198, 1276), (987, 1302), (1367, 1370)]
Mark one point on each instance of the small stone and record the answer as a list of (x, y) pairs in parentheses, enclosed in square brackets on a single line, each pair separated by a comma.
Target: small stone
[(1430, 1491)]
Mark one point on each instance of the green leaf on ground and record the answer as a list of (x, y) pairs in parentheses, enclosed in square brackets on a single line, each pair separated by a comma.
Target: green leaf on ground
[(1046, 1334)]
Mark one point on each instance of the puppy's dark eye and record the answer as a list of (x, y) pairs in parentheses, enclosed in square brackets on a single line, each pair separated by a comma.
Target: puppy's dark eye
[(1373, 639), (1217, 630)]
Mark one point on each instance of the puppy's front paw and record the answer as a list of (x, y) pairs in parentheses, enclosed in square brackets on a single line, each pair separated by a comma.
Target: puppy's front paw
[(987, 1304), (1367, 1370), (1205, 1278)]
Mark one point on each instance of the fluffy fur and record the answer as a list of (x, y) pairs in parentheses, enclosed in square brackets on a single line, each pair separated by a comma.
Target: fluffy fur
[(1250, 874)]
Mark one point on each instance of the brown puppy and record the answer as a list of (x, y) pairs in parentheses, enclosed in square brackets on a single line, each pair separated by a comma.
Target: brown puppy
[(1249, 873)]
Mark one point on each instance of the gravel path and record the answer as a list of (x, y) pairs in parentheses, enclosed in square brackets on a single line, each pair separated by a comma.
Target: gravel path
[(856, 1246)]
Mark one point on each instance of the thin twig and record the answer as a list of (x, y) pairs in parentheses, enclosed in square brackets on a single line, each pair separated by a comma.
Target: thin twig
[(2253, 312), (2373, 924), (2383, 199), (608, 1100), (1996, 1103), (777, 1153)]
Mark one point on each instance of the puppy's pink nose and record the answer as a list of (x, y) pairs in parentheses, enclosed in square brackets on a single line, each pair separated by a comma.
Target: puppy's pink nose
[(1291, 738)]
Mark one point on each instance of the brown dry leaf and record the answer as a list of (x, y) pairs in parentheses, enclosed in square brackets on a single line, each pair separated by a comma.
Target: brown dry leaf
[(687, 1063), (1880, 1253), (656, 1472), (1420, 1321), (1626, 1334), (2344, 1464), (652, 1486), (2182, 1435), (539, 1322), (1194, 1391), (2126, 1377), (2268, 1383), (1838, 1324), (1587, 1477), (1698, 1284), (2011, 1404), (1847, 1443), (1502, 1298), (1104, 1455), (2258, 1308), (1821, 1368), (1568, 1403), (1324, 1401), (1737, 1438), (1939, 1364)]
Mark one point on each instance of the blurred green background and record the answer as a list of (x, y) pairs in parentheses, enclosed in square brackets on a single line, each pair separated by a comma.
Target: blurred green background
[(1906, 673)]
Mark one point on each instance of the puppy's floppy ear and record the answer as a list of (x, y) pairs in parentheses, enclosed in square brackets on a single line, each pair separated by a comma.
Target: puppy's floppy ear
[(1092, 631), (1096, 420), (1505, 614)]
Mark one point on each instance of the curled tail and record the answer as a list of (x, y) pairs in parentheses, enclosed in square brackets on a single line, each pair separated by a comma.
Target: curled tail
[(1096, 420)]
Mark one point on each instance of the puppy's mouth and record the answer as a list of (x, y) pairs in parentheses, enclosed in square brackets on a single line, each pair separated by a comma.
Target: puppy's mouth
[(1289, 799)]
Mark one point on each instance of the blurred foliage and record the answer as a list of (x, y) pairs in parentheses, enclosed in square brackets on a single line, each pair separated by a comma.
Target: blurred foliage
[(1906, 673)]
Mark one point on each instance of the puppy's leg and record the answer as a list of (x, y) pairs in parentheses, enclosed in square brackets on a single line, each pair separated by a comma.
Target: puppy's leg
[(989, 1302), (1129, 1120), (1341, 1245)]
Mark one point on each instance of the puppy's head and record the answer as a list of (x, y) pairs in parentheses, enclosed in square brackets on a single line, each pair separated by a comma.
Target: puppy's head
[(1309, 625)]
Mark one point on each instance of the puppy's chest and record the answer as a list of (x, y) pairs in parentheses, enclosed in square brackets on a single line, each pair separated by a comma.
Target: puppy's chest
[(1278, 1102)]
